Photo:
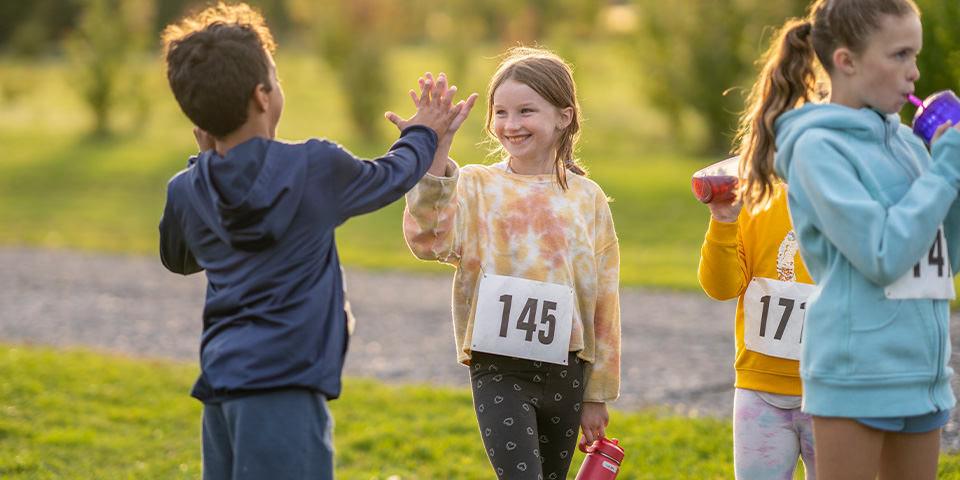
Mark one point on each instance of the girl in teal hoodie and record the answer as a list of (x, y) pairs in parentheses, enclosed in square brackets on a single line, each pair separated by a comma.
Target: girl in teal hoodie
[(879, 229)]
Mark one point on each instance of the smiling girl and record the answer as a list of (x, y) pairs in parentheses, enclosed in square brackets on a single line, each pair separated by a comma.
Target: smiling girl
[(535, 300), (878, 224)]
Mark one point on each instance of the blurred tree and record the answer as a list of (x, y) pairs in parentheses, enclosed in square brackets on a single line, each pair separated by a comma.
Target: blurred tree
[(456, 30), (560, 25), (107, 33), (701, 56), (31, 28), (354, 39)]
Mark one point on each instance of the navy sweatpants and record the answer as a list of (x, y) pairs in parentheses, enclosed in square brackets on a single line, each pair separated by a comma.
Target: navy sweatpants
[(280, 435)]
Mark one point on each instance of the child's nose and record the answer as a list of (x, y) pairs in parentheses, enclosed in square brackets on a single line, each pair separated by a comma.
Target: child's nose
[(914, 74)]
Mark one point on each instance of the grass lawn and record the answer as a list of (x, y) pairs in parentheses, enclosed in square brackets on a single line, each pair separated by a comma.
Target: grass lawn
[(78, 414)]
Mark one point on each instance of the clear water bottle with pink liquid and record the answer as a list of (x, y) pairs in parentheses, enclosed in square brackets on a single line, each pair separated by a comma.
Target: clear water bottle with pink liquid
[(718, 182)]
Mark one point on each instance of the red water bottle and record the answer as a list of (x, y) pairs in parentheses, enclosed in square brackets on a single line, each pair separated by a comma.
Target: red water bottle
[(602, 462)]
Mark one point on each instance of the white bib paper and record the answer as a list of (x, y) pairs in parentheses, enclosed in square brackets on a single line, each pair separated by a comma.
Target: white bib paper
[(523, 318), (773, 314), (931, 277)]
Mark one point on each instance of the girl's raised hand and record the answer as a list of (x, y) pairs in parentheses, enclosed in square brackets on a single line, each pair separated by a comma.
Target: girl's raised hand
[(437, 88), (434, 107), (467, 104)]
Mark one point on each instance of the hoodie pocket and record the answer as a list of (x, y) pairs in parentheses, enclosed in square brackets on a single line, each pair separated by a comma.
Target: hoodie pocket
[(892, 341)]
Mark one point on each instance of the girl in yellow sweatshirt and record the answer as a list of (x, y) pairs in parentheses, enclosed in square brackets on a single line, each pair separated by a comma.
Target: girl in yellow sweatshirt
[(753, 257), (535, 300)]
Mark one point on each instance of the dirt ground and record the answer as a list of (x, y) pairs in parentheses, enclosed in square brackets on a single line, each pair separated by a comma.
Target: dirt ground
[(677, 348)]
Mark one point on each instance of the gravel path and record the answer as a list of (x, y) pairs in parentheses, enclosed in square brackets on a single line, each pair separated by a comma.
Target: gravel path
[(677, 348)]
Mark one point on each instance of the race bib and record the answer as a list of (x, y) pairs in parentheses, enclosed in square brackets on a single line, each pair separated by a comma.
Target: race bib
[(773, 314), (523, 318), (931, 277)]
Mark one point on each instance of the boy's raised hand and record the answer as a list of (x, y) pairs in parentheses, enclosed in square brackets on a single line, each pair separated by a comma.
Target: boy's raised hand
[(435, 108)]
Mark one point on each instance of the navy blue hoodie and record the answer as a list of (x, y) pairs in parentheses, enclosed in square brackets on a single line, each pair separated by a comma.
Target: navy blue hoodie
[(260, 221)]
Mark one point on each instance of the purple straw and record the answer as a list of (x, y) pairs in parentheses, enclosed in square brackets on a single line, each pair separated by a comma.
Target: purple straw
[(914, 100)]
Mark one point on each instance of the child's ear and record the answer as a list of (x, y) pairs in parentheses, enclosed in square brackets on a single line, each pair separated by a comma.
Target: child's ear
[(844, 61), (261, 97), (566, 116)]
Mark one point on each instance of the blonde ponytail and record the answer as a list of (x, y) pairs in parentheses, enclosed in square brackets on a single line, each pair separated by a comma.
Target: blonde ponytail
[(787, 81), (799, 56)]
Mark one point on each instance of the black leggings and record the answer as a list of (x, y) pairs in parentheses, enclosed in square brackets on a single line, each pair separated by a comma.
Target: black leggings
[(528, 413)]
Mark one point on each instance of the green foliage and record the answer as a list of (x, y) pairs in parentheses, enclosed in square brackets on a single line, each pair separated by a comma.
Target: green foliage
[(107, 34), (699, 57), (939, 62), (353, 38), (64, 190), (29, 28)]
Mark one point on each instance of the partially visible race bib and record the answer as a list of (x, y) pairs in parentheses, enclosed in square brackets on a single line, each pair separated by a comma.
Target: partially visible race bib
[(773, 314), (523, 318), (931, 277)]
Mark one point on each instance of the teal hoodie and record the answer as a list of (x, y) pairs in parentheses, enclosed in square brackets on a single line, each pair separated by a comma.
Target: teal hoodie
[(866, 200)]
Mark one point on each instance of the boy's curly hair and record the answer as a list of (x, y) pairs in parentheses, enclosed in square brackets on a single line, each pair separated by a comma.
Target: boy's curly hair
[(215, 60)]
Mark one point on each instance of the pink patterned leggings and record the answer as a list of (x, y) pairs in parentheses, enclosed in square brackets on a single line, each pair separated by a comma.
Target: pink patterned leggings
[(767, 441)]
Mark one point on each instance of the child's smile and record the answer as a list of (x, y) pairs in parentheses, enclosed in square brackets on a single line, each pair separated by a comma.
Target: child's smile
[(528, 126)]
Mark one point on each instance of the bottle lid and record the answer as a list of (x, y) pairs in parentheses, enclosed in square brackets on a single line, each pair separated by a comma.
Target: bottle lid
[(610, 449)]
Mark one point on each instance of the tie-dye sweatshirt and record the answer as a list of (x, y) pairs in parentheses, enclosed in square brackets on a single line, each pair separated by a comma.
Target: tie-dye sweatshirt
[(482, 218)]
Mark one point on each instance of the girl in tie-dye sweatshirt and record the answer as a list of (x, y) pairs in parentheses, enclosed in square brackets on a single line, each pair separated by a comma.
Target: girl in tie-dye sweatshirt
[(535, 299)]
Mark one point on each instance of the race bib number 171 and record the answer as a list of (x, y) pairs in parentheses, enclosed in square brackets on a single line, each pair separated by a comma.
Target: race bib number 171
[(773, 315)]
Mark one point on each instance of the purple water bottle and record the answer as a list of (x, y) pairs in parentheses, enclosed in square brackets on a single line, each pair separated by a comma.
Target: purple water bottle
[(933, 112)]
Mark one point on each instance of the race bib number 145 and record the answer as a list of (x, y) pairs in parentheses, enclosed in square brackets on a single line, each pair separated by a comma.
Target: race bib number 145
[(523, 318)]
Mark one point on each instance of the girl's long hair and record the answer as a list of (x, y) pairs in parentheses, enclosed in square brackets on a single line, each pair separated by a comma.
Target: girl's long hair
[(552, 78), (792, 75)]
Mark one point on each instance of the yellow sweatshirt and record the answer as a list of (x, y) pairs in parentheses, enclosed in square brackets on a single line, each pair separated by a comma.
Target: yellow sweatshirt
[(482, 218), (733, 254)]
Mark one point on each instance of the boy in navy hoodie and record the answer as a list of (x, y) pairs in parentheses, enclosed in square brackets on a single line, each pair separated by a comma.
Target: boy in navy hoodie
[(258, 216)]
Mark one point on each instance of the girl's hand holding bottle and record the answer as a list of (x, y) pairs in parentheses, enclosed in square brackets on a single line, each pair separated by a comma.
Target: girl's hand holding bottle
[(726, 211), (716, 186), (593, 422), (943, 129)]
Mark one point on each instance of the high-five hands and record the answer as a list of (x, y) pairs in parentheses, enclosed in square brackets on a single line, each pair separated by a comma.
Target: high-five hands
[(435, 107)]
